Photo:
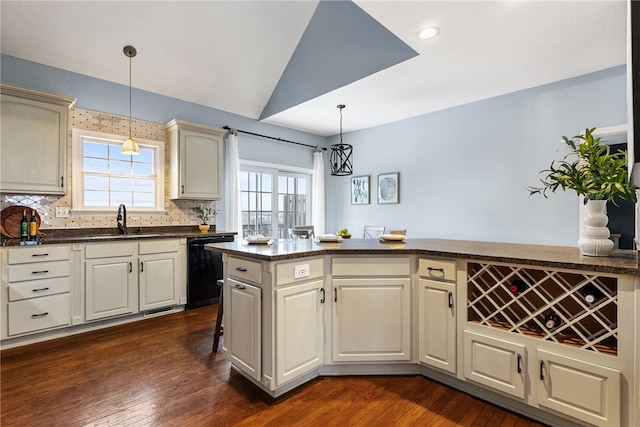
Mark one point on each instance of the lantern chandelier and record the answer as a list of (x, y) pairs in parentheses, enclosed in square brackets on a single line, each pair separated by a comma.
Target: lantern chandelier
[(341, 158), (130, 146)]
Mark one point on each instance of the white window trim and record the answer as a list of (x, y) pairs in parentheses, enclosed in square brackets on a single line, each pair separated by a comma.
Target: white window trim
[(77, 181)]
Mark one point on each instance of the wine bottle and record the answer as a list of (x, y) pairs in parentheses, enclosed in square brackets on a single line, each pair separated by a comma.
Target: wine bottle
[(24, 225), (591, 294), (518, 286), (33, 226), (552, 321)]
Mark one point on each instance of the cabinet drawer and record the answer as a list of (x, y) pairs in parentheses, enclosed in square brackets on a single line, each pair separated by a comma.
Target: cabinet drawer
[(107, 250), (437, 269), (370, 266), (286, 272), (38, 270), (243, 269), (37, 254), (38, 288), (158, 246), (38, 313)]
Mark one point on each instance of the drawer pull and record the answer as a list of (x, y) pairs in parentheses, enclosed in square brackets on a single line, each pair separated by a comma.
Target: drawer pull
[(439, 270), (542, 370), (241, 269), (40, 290), (130, 267), (38, 255), (322, 297), (142, 267), (240, 287), (450, 299), (38, 316), (519, 364), (40, 272)]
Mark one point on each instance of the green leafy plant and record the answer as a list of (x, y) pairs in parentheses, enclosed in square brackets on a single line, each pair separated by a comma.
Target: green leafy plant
[(590, 169), (204, 213)]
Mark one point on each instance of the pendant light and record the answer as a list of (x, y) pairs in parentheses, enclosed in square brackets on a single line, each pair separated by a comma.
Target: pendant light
[(341, 154), (130, 146)]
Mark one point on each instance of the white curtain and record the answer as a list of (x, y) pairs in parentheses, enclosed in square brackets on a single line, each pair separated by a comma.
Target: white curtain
[(232, 207), (317, 202)]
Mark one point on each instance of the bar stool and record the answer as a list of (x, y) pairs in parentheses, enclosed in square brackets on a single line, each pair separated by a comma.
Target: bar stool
[(218, 329)]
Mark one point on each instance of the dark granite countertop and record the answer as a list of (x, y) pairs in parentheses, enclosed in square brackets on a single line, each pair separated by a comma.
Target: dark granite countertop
[(86, 235), (620, 262)]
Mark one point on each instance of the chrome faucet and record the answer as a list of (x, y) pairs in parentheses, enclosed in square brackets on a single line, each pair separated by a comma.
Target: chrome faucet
[(121, 219)]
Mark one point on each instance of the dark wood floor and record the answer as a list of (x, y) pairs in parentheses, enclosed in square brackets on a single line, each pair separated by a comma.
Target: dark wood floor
[(161, 372)]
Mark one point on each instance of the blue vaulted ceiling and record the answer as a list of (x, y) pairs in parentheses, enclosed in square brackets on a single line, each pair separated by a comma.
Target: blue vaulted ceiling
[(341, 44)]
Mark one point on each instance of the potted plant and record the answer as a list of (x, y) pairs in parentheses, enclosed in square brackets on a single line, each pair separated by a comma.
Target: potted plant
[(204, 213), (596, 174)]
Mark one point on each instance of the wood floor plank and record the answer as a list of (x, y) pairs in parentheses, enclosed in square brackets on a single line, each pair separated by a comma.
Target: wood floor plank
[(161, 372)]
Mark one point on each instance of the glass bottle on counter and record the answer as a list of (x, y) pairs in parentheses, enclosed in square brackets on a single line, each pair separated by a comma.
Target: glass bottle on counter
[(24, 226), (33, 226)]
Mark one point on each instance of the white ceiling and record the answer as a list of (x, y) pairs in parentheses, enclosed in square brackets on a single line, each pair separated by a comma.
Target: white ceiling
[(229, 55)]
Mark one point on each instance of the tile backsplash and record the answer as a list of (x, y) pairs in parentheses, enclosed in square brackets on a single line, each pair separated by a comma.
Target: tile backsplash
[(177, 212)]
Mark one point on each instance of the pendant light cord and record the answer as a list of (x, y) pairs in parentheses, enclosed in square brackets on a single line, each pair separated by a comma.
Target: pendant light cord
[(129, 97)]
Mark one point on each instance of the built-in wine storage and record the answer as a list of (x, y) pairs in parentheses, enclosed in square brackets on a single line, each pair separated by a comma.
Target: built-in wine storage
[(574, 308)]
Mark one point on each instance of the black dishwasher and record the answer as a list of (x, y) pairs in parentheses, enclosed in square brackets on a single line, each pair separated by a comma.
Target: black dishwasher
[(205, 268)]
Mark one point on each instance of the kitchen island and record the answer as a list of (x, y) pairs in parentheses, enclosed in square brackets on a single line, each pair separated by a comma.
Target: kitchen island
[(473, 315)]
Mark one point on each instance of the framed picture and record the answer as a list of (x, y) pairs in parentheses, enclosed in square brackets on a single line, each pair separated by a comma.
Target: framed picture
[(360, 190), (388, 187)]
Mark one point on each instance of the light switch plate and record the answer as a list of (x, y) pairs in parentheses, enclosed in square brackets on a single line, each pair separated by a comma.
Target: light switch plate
[(63, 212)]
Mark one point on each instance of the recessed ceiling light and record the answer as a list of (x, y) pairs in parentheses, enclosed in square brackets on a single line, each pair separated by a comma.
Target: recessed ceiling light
[(429, 33)]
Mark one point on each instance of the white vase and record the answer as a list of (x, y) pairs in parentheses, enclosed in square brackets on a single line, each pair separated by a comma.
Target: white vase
[(594, 236)]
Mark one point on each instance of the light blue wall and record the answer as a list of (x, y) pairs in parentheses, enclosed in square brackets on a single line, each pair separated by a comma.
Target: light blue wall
[(463, 171)]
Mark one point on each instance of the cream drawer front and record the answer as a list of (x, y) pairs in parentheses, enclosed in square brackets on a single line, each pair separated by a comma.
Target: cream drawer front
[(243, 269), (308, 269), (370, 266), (37, 253), (38, 288), (108, 250), (437, 269), (158, 246), (38, 270), (38, 313)]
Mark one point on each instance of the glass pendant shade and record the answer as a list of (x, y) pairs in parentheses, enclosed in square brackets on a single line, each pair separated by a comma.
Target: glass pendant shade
[(341, 159), (130, 147)]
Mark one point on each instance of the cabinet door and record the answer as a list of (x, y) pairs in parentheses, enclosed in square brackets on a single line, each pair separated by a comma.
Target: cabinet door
[(299, 330), (583, 390), (33, 144), (372, 319), (158, 281), (495, 363), (436, 324), (110, 287), (243, 316), (199, 163)]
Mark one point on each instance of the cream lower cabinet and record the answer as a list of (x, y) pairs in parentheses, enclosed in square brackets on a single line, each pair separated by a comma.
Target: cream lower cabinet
[(299, 330), (36, 283), (159, 274), (242, 337), (436, 314), (371, 309), (111, 280)]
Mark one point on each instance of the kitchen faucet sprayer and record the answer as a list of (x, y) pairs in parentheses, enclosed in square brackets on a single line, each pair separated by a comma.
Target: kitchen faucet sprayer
[(122, 216)]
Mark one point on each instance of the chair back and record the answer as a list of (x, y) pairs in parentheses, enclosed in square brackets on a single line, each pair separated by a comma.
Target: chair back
[(372, 231), (302, 232)]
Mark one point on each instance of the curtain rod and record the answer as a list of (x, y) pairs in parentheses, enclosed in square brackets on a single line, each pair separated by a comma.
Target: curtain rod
[(277, 139)]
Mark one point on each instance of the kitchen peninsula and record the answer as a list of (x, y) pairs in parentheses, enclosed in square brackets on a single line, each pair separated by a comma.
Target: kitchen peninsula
[(474, 315)]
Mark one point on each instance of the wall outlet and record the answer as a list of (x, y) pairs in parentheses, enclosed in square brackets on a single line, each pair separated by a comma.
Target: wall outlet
[(63, 212), (300, 271)]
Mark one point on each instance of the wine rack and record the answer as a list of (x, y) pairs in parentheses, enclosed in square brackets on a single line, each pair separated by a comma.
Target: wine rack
[(494, 301)]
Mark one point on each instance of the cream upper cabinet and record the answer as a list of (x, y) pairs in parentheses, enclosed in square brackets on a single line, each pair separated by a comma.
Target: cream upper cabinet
[(196, 161), (33, 141)]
